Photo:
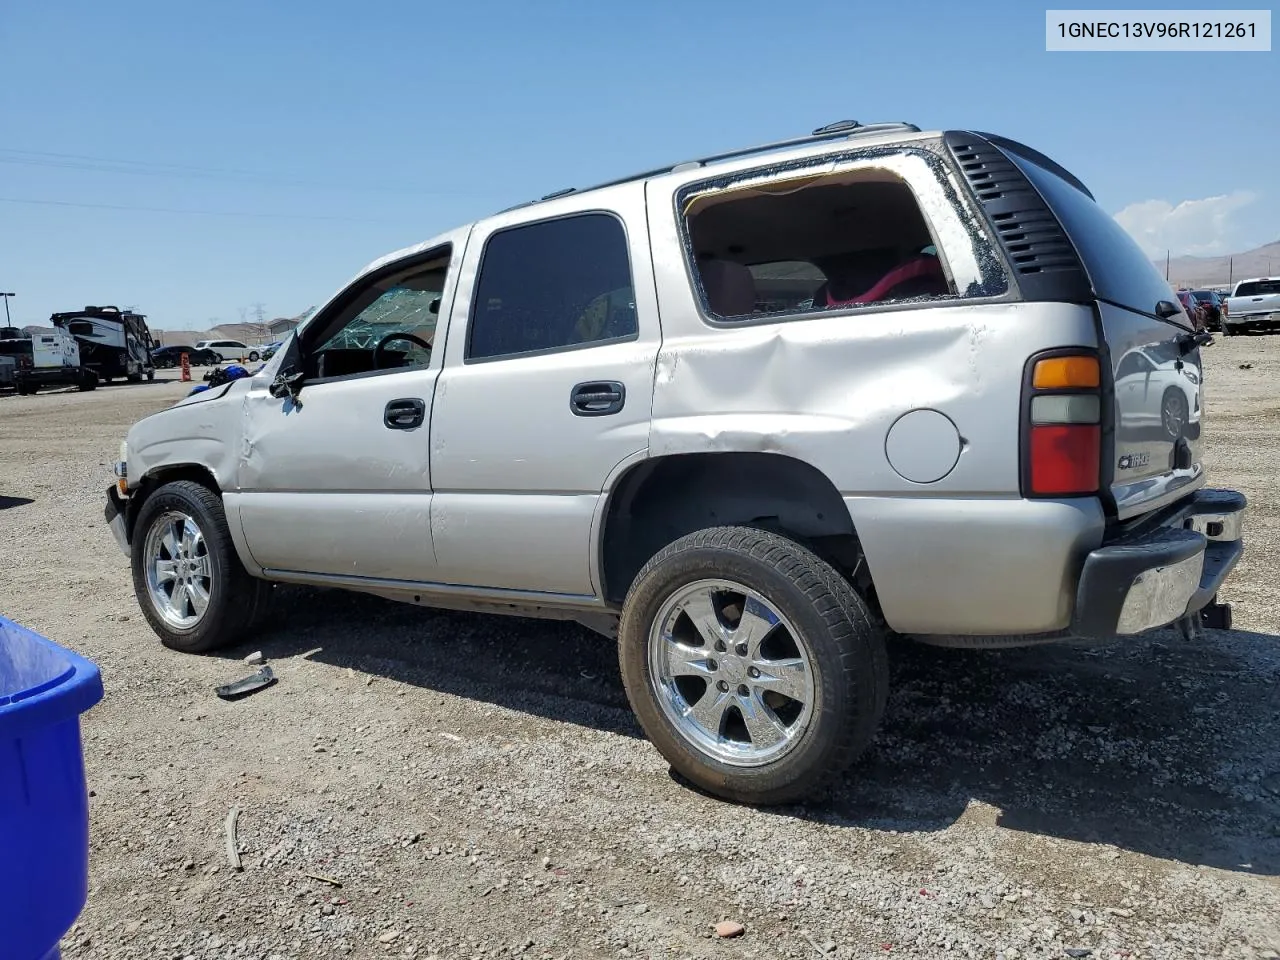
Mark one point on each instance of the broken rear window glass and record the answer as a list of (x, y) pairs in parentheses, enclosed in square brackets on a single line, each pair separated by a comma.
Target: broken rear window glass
[(831, 238)]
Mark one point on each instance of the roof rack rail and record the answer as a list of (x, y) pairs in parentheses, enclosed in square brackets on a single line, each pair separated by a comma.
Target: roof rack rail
[(831, 131)]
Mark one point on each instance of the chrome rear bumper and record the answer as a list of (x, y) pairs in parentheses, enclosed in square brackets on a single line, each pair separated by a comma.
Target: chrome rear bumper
[(1158, 573)]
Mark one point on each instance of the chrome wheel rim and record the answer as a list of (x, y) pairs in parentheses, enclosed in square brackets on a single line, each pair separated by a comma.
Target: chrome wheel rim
[(733, 676), (1172, 416), (179, 570)]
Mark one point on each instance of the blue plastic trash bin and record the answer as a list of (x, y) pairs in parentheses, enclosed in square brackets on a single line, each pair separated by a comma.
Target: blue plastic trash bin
[(44, 803)]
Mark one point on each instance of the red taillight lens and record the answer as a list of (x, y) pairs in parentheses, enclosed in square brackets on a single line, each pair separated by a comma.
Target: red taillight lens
[(1062, 417), (1065, 459)]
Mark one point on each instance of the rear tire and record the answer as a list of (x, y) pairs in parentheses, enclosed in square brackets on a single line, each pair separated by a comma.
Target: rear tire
[(801, 630), (192, 588), (253, 356)]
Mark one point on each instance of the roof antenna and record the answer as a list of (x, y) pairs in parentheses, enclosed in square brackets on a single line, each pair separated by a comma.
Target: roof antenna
[(840, 126)]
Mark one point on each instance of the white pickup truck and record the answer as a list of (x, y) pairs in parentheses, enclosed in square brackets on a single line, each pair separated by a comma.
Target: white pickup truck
[(1252, 305)]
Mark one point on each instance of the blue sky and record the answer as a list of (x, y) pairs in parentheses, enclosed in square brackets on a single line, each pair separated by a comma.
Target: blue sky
[(316, 137)]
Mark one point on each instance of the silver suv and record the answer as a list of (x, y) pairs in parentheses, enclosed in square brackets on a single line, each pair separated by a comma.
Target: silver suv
[(755, 415)]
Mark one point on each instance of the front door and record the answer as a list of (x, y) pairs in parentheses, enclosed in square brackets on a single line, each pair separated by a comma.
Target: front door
[(339, 482), (546, 392)]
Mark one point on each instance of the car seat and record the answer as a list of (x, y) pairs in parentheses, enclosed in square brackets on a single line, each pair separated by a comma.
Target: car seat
[(730, 287), (918, 277)]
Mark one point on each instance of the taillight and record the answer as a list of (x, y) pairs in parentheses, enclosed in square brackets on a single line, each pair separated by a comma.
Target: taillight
[(1062, 423)]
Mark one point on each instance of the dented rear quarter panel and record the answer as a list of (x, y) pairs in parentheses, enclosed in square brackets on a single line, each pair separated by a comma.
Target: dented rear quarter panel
[(828, 388)]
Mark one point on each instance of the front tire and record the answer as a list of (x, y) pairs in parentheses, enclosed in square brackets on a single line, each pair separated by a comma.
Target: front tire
[(189, 582), (754, 668)]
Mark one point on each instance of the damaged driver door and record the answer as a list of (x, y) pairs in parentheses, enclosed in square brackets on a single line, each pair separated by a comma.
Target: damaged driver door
[(334, 472)]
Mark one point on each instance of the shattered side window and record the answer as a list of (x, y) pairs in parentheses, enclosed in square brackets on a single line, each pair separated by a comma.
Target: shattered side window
[(388, 325), (836, 234)]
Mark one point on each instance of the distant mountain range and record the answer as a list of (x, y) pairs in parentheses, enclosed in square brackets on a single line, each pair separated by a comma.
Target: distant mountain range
[(1198, 272)]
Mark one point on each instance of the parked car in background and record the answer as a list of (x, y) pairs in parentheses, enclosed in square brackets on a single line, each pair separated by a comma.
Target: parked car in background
[(171, 356), (1192, 307), (1211, 304), (1253, 305), (231, 351), (270, 349)]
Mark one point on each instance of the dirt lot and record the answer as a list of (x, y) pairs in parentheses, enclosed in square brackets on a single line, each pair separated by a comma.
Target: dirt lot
[(480, 790)]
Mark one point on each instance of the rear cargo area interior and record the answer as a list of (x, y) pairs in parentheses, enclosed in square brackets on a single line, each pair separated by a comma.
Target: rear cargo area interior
[(800, 243)]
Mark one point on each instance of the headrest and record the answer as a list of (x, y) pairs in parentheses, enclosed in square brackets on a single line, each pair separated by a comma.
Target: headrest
[(731, 289)]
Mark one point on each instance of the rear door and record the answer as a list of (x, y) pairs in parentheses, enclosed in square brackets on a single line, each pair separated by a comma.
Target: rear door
[(546, 391), (1156, 445)]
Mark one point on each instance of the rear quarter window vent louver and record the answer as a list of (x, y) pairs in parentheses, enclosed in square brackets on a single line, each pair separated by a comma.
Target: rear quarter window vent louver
[(1034, 243)]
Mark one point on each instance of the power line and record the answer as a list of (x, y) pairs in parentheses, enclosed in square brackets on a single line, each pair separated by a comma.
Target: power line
[(203, 213), (73, 161)]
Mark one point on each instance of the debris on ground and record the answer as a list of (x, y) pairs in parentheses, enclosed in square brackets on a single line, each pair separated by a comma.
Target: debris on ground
[(250, 684), (233, 842), (729, 928), (322, 878)]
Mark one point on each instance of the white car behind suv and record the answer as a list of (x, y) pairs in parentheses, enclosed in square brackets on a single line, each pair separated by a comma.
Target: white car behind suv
[(231, 350)]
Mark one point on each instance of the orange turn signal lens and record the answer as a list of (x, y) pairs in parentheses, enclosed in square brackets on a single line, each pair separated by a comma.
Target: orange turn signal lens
[(1057, 373)]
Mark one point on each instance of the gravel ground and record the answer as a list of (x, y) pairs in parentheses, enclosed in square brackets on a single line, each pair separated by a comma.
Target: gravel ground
[(479, 788)]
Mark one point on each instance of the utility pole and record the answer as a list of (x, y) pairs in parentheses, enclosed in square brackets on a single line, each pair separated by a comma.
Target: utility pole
[(259, 313), (1166, 265), (7, 321)]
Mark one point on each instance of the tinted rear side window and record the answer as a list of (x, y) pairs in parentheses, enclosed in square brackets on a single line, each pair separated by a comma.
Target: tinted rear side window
[(1118, 269), (1257, 288), (553, 285)]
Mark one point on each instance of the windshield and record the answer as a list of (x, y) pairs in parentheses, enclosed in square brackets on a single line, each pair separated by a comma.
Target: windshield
[(1255, 288), (1203, 296)]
